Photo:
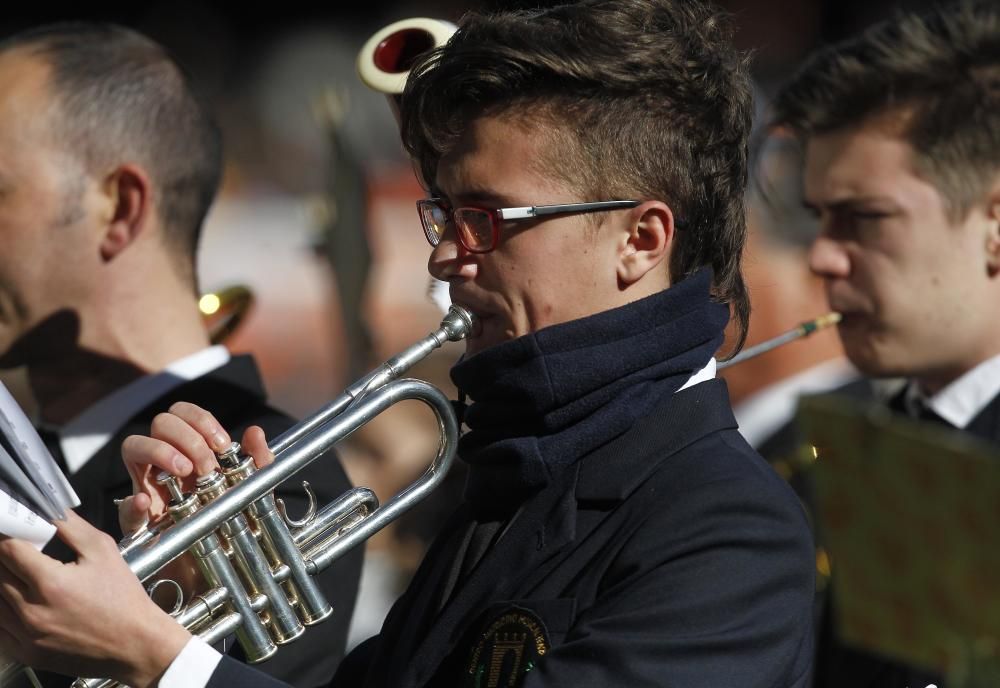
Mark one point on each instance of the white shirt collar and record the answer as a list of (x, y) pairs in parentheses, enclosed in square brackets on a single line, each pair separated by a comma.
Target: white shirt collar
[(706, 373), (961, 400), (83, 437), (761, 414)]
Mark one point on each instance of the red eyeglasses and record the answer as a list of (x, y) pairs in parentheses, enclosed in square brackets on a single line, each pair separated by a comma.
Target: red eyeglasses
[(478, 229)]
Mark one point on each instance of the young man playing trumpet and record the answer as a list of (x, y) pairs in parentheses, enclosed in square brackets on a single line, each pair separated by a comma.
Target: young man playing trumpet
[(586, 166), (901, 128)]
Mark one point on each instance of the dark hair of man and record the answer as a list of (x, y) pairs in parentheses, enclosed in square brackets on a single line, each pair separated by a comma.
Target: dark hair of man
[(933, 78), (119, 97), (640, 99)]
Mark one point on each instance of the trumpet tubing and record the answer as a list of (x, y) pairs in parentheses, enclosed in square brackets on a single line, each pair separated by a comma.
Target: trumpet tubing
[(258, 563)]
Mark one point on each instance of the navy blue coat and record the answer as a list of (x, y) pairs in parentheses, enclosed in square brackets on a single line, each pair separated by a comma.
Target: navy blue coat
[(672, 556)]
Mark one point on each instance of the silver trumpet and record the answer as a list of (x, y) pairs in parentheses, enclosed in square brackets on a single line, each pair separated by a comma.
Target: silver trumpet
[(258, 562)]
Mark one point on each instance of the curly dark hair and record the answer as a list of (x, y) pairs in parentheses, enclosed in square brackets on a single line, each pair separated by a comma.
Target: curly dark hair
[(647, 98), (937, 72)]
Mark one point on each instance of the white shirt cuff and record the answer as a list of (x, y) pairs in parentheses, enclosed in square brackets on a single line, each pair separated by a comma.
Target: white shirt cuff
[(193, 667)]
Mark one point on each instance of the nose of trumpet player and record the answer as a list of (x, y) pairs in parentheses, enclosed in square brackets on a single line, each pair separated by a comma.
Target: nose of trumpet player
[(183, 442)]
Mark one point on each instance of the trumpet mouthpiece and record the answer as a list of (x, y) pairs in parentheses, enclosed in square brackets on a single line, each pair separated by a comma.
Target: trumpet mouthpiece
[(458, 323), (827, 320), (810, 326)]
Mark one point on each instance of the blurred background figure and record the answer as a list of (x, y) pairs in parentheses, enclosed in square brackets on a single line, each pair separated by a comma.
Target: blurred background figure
[(766, 389), (783, 292), (902, 141)]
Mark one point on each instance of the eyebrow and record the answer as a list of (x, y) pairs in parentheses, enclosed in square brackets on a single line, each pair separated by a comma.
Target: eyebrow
[(487, 198), (849, 202)]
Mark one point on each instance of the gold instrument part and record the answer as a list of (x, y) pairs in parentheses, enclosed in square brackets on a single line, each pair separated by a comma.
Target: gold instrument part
[(225, 310)]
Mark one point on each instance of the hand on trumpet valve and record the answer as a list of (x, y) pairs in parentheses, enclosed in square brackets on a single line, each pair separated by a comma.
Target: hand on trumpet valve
[(183, 442)]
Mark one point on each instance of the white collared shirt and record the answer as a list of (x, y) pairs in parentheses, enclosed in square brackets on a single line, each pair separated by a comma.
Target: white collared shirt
[(706, 373), (762, 413), (85, 435), (960, 401), (192, 667)]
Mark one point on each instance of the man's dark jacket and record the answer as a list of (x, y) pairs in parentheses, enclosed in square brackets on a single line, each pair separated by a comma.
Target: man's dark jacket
[(234, 393), (672, 556)]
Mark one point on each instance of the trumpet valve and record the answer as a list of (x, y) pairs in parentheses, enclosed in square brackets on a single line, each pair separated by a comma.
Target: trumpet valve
[(236, 466), (230, 457), (172, 485), (181, 504), (209, 487)]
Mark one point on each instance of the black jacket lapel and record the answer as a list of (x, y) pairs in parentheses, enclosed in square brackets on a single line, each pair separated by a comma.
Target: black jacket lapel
[(986, 424)]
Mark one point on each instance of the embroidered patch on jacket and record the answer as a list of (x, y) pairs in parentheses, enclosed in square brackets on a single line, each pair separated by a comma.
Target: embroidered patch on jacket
[(508, 649)]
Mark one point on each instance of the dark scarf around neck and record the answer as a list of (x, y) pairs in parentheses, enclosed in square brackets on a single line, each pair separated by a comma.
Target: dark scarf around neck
[(542, 401)]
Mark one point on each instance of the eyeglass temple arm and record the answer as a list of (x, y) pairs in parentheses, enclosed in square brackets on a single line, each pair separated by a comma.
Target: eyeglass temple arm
[(537, 210)]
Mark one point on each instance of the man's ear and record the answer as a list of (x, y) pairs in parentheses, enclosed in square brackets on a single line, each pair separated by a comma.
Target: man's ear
[(128, 192), (648, 245), (993, 233)]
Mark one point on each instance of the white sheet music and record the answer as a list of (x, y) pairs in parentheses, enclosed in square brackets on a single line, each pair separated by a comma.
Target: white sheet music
[(41, 467), (33, 491), (17, 521), (15, 482)]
